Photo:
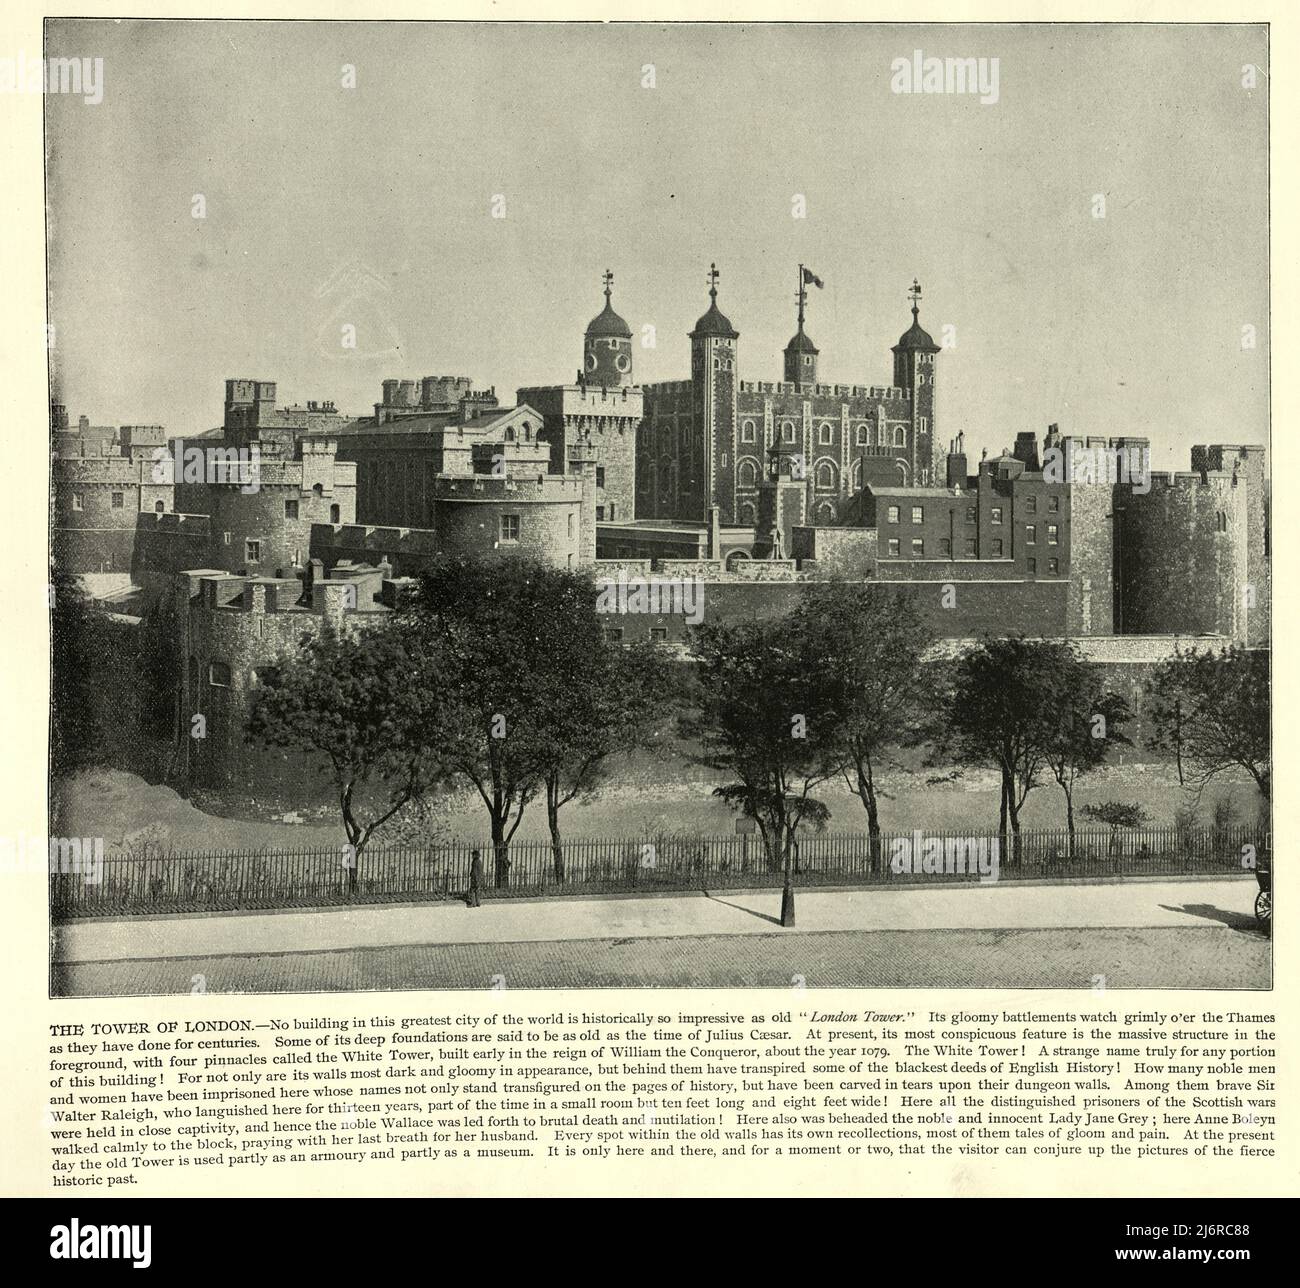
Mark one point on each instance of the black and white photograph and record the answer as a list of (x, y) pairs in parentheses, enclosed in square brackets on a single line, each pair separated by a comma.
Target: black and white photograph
[(627, 505)]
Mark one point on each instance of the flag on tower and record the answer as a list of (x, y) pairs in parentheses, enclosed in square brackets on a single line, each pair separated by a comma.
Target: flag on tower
[(810, 276)]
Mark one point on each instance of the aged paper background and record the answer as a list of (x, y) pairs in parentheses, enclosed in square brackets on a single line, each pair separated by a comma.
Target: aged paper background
[(27, 1011)]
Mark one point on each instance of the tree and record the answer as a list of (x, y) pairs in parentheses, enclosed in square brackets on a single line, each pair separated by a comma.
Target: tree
[(1212, 709), (870, 644), (1001, 713), (1083, 724), (763, 716), (617, 709), (526, 636), (1117, 814), (372, 704)]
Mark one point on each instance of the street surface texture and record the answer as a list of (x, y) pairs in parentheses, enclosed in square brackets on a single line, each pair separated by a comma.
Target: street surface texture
[(1203, 957), (1174, 934)]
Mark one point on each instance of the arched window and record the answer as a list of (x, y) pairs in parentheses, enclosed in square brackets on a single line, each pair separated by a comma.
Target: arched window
[(787, 431), (826, 512), (747, 473), (748, 514), (159, 507), (317, 490), (900, 437), (826, 476), (747, 431), (510, 434), (825, 434)]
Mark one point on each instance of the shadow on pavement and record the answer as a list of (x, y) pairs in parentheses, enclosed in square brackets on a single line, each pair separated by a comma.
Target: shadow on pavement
[(762, 916), (1206, 911)]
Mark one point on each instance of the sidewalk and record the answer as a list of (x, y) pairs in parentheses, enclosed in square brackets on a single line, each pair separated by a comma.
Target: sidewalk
[(1186, 903)]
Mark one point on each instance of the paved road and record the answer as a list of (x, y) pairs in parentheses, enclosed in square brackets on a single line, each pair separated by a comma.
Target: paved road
[(1213, 955), (1007, 905)]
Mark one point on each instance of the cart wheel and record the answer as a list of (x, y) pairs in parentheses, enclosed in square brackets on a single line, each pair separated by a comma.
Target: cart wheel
[(1264, 908)]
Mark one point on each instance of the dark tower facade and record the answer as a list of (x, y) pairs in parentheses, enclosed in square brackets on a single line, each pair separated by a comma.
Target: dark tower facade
[(710, 471), (914, 371), (607, 346)]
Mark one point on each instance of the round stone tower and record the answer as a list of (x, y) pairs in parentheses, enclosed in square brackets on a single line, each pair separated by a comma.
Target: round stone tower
[(607, 347)]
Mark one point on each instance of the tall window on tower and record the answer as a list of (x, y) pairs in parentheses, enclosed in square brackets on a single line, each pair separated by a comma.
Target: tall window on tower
[(509, 527)]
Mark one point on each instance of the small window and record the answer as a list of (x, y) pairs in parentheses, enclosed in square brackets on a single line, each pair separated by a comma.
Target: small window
[(118, 500), (1053, 566), (219, 675), (971, 515), (996, 553), (995, 514), (825, 433), (900, 437), (77, 503), (225, 538), (893, 545), (787, 431), (160, 507), (614, 634), (571, 524), (291, 509), (334, 514), (510, 524), (891, 515), (863, 436), (1031, 534), (918, 548), (747, 432), (253, 551), (658, 633), (600, 476), (918, 514), (1031, 505), (945, 547), (1053, 535), (1053, 504), (970, 547), (1033, 567), (600, 516)]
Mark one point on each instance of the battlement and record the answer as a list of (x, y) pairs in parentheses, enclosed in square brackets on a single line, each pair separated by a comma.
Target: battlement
[(672, 386), (380, 540), (515, 488), (364, 590), (116, 471), (881, 393), (1166, 481), (1221, 456)]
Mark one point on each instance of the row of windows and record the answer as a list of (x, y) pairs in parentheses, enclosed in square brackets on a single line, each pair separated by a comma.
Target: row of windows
[(944, 551), (972, 516), (826, 434), (117, 500)]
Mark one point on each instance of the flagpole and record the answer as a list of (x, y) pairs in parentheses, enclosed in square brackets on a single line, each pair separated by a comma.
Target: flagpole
[(799, 295)]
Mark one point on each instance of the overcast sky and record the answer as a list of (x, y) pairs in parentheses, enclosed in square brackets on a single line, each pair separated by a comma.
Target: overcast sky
[(372, 206)]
